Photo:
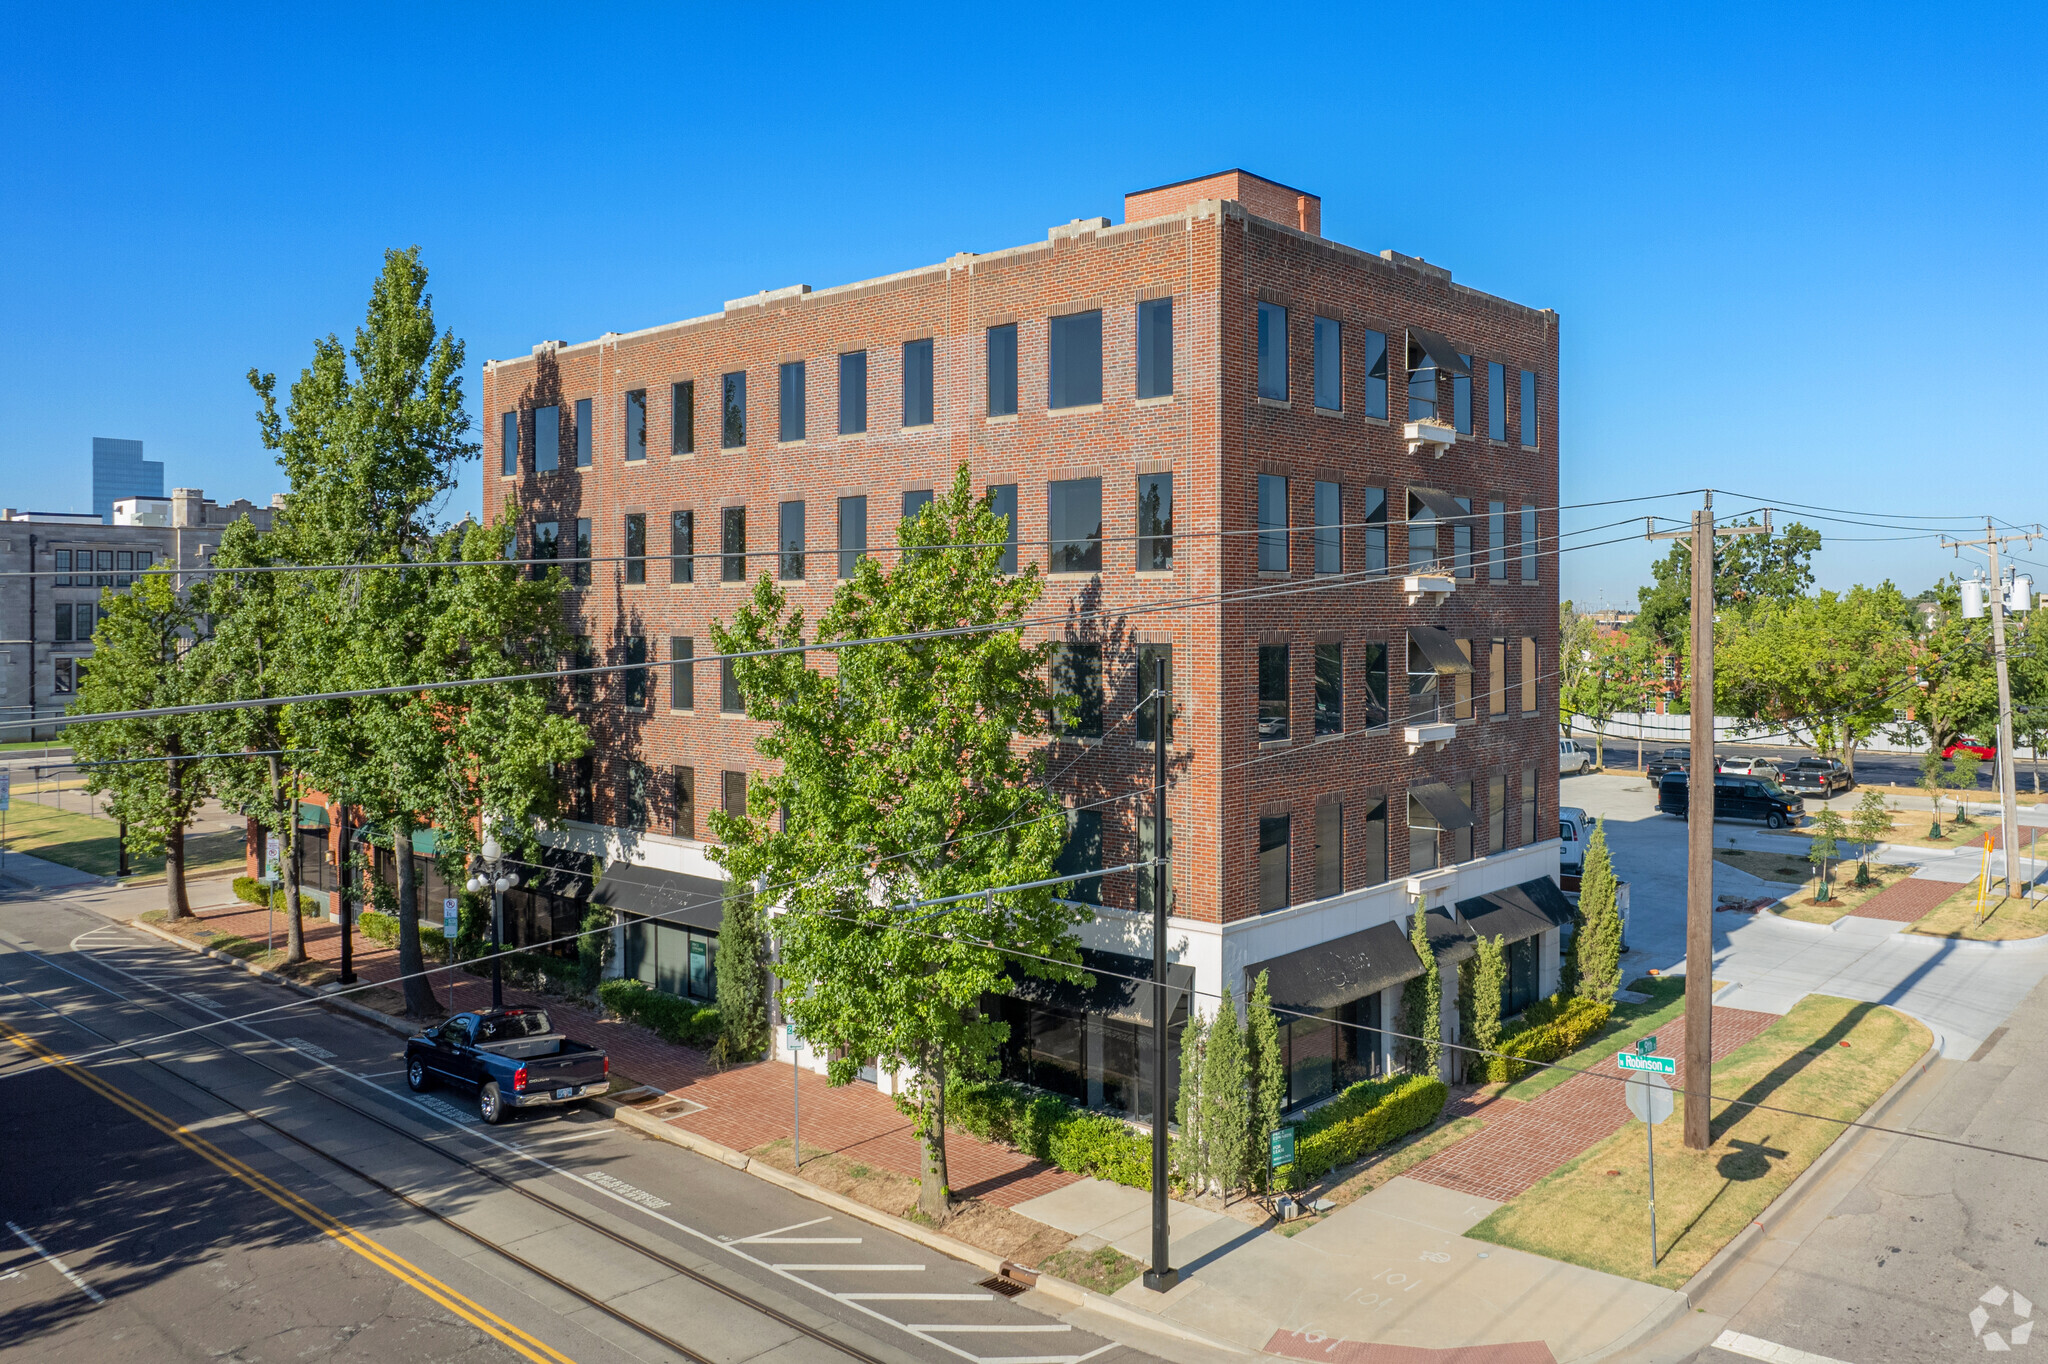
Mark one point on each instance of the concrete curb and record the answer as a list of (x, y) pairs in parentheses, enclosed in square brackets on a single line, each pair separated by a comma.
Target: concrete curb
[(367, 1015), (1070, 1293)]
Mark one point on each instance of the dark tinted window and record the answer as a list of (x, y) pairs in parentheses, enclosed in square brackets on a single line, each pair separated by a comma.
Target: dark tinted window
[(1077, 672), (1329, 363), (634, 682), (1273, 352), (729, 699), (1422, 377), (580, 574), (733, 407), (1461, 400), (636, 548), (853, 533), (791, 542), (733, 533), (1529, 407), (791, 378), (1329, 532), (1002, 370), (915, 501), (682, 417), (1375, 530), (508, 445), (682, 673), (1083, 853), (1496, 400), (1075, 360), (1155, 523), (585, 429), (917, 383), (853, 393), (547, 439), (1329, 689), (636, 425), (1272, 693), (1375, 374), (1155, 672), (1375, 684), (1273, 856), (1002, 500), (1155, 348), (1074, 525), (682, 544), (1272, 523)]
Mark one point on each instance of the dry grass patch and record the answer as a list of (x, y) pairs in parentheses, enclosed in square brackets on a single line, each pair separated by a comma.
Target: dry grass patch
[(1104, 1269), (1769, 866), (1593, 1211), (2003, 920)]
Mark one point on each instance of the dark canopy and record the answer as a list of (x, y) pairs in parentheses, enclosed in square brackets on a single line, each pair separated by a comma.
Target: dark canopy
[(671, 896), (1339, 971), (1518, 912)]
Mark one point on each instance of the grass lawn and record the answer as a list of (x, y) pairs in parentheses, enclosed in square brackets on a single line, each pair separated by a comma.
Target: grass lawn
[(1787, 866), (1104, 1269), (92, 844), (2004, 920), (1847, 894), (1628, 1022), (1593, 1211), (34, 746)]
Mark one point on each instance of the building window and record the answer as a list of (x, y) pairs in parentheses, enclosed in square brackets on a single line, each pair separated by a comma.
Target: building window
[(853, 393), (104, 561), (63, 561), (634, 794), (1273, 852), (634, 682), (792, 542), (547, 439), (1421, 381), (1329, 532), (60, 676), (1497, 813), (1273, 352), (1496, 400), (1155, 673), (124, 566), (792, 405), (1376, 842), (1497, 677), (1461, 839), (1497, 541), (733, 534), (64, 622), (1528, 543), (1002, 501), (1375, 374), (1082, 854), (1155, 523), (1077, 673), (1329, 364), (1461, 539), (1529, 408), (1002, 370), (1375, 530), (1423, 695), (1528, 675), (1074, 360), (733, 410), (682, 673), (730, 702), (508, 450), (1155, 348), (1461, 398), (853, 534), (1074, 519), (143, 560), (733, 796), (585, 429), (1272, 523), (1375, 684), (684, 780), (1530, 831), (636, 426), (636, 548), (579, 572), (1329, 850), (682, 417), (1147, 846), (1422, 837), (546, 546), (582, 682), (1421, 533), (914, 502), (682, 547), (1272, 693), (917, 383), (1329, 689)]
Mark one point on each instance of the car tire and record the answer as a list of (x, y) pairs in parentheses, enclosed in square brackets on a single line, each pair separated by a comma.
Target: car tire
[(1774, 820), (416, 1077), (490, 1103)]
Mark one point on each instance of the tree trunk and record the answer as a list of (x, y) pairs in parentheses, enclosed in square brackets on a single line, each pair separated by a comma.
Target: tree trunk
[(933, 1199), (176, 902), (419, 991), (294, 927)]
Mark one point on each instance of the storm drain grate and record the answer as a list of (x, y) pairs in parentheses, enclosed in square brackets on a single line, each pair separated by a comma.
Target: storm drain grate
[(1009, 1288)]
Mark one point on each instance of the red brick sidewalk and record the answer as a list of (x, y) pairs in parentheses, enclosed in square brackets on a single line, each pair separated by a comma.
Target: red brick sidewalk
[(1905, 902), (1522, 1142), (743, 1106)]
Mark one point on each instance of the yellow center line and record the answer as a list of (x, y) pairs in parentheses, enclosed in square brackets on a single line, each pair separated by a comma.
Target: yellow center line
[(380, 1255)]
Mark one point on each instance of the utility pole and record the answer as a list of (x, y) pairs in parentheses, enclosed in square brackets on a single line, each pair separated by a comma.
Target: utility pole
[(2008, 792), (1162, 1276), (1699, 824)]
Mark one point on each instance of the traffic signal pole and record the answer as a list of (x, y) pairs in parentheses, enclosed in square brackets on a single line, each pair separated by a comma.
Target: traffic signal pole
[(2008, 783)]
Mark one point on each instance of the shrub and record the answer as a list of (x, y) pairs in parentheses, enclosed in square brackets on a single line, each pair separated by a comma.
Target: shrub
[(669, 1018), (381, 927), (250, 890), (1053, 1130), (1551, 1028), (1364, 1117)]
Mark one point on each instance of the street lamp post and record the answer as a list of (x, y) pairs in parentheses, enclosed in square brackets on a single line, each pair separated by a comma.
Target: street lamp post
[(494, 877)]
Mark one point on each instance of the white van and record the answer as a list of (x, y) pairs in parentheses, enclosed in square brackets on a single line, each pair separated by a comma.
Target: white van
[(1571, 758), (1574, 829)]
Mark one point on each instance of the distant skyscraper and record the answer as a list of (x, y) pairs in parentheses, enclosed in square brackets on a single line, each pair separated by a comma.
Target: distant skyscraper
[(119, 470)]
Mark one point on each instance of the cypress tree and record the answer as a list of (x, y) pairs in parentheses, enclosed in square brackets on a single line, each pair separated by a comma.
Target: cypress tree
[(1596, 947), (1488, 975), (742, 974), (1226, 1101), (1422, 1001), (1190, 1153), (1268, 1070)]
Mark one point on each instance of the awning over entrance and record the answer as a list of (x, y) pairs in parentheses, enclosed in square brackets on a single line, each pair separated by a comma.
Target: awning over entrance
[(312, 816), (1115, 995), (1338, 971), (562, 873), (1518, 912), (1451, 937), (671, 896)]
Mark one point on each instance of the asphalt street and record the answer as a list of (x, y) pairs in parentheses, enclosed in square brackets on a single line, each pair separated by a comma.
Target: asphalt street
[(1884, 769), (152, 1195)]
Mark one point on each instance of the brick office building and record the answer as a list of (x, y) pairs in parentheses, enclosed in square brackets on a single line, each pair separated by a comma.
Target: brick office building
[(1341, 466)]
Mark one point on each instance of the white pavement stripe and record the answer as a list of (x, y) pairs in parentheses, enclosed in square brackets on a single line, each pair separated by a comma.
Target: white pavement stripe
[(1736, 1343), (759, 1235), (1003, 1330), (1038, 1359), (803, 1240), (854, 1269), (917, 1297), (301, 1044), (58, 1265)]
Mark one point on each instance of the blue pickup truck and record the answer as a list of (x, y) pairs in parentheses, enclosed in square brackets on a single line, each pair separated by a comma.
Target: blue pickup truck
[(511, 1058)]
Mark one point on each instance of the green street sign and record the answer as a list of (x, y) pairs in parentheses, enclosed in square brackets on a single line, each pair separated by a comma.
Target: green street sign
[(1281, 1150), (1658, 1065), (1647, 1045)]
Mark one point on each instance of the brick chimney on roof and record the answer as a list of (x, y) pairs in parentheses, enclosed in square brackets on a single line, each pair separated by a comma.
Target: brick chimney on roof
[(1270, 199)]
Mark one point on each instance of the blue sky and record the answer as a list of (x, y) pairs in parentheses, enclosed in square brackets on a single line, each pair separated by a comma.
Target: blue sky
[(1796, 250)]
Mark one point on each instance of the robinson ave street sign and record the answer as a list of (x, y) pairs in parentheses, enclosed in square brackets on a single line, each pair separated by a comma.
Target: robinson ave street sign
[(1660, 1065)]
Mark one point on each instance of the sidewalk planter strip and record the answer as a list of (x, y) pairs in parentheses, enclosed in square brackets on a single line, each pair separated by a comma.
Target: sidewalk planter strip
[(1368, 1115), (670, 1018)]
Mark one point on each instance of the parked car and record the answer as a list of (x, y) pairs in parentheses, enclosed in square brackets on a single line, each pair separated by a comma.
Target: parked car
[(1571, 758), (1816, 777), (1734, 798), (511, 1058), (1749, 767), (1985, 751), (1670, 760), (1574, 828)]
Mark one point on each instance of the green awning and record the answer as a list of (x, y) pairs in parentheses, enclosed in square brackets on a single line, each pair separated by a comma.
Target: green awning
[(312, 816), (427, 842)]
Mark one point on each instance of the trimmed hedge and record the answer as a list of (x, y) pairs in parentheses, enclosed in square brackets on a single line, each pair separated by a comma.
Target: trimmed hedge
[(1551, 1029), (1368, 1115), (250, 890), (670, 1018), (1052, 1130), (382, 927)]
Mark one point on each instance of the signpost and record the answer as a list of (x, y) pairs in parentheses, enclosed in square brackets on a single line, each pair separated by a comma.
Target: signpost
[(1279, 1150), (796, 1145), (1651, 1101), (270, 882), (449, 913), (6, 787)]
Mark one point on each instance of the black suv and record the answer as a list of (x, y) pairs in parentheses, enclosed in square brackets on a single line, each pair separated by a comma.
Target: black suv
[(1735, 797), (1670, 760), (1816, 777)]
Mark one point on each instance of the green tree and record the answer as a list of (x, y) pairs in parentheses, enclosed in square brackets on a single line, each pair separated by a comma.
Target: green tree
[(1596, 946), (1747, 569), (1871, 825), (1952, 688), (1962, 777), (905, 774), (1422, 1002), (1226, 1099), (141, 653), (1824, 848), (1268, 1067), (1933, 781), (1191, 1150), (1482, 977), (742, 968), (1599, 678)]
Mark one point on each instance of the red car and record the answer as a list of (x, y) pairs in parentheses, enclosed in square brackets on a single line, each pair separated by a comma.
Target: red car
[(1984, 751)]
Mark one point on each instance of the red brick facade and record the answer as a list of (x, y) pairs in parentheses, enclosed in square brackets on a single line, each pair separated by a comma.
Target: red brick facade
[(1217, 260)]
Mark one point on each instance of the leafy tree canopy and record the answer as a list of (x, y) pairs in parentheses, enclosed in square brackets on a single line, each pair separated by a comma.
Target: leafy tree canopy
[(1748, 569)]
